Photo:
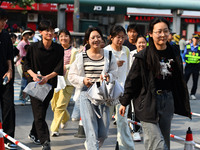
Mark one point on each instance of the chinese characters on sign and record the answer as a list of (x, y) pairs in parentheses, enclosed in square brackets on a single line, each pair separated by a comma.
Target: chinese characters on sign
[(100, 8)]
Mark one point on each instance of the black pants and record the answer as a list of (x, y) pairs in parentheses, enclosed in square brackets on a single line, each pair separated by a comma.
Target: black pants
[(194, 70), (39, 126), (8, 109)]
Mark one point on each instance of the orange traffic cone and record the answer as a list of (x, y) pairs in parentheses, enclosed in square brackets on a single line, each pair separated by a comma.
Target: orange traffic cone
[(81, 132), (2, 147), (189, 144)]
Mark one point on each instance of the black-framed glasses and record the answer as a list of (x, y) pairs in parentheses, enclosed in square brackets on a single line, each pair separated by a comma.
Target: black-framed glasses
[(159, 32)]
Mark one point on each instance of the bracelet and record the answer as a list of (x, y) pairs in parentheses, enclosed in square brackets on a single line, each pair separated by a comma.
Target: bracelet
[(10, 69)]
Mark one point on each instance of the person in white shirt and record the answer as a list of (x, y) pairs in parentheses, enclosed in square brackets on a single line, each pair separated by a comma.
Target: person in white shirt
[(122, 54), (141, 43), (83, 73)]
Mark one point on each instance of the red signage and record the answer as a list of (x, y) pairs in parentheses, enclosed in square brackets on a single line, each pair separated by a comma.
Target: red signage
[(8, 5), (147, 18), (47, 7), (192, 20), (37, 6)]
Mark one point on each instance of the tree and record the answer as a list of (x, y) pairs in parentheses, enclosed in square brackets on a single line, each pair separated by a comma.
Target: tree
[(22, 3)]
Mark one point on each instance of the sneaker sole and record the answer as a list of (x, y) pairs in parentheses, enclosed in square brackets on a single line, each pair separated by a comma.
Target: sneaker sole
[(34, 141), (7, 147)]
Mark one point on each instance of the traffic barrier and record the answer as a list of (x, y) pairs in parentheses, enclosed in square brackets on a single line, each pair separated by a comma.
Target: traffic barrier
[(15, 141), (81, 132), (189, 143), (195, 114), (134, 122), (182, 139), (2, 147), (3, 134)]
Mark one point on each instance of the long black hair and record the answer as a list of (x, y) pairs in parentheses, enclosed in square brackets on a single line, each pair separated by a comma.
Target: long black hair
[(152, 60)]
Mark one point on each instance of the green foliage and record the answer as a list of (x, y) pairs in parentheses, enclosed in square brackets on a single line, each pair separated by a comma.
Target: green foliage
[(22, 3)]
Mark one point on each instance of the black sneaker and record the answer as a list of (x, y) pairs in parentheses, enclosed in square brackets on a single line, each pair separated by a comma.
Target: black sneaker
[(34, 139), (46, 145), (10, 146)]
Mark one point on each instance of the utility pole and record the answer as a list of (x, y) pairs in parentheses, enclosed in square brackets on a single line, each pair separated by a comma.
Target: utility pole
[(76, 16), (61, 22), (177, 20)]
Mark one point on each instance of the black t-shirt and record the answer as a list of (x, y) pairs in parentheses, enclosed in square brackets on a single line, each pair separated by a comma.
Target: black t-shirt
[(15, 51), (129, 45), (164, 80), (45, 61), (6, 52)]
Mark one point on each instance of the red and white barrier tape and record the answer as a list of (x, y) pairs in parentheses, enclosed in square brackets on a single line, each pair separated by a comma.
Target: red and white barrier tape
[(182, 139), (134, 122), (14, 141), (195, 114)]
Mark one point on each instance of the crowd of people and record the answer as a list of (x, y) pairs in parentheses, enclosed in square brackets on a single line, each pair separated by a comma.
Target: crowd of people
[(150, 68)]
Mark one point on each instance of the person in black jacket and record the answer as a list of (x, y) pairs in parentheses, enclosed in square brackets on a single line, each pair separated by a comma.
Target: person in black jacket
[(156, 85)]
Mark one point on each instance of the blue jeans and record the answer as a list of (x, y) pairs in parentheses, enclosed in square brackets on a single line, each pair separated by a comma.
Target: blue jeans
[(24, 83), (76, 110), (124, 137), (96, 129), (157, 136)]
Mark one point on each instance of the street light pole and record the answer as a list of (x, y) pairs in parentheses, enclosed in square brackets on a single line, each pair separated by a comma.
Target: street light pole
[(76, 16)]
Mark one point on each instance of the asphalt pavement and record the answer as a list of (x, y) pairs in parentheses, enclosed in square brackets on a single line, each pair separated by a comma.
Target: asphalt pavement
[(67, 141)]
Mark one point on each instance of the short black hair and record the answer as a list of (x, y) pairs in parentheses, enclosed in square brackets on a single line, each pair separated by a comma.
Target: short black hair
[(12, 35), (45, 25), (67, 33), (3, 14), (132, 27), (26, 47)]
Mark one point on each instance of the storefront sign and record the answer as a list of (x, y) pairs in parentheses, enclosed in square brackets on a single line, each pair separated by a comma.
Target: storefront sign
[(148, 18), (37, 6), (191, 20), (103, 9), (8, 5)]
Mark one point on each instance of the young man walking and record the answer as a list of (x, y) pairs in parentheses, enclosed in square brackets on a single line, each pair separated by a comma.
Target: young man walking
[(47, 57)]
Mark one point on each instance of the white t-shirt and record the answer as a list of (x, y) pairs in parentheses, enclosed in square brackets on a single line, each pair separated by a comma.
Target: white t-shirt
[(124, 69)]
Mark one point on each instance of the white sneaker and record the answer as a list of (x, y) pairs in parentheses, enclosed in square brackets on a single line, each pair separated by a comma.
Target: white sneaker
[(136, 137), (10, 146), (85, 144), (63, 125), (192, 97), (75, 119), (55, 134)]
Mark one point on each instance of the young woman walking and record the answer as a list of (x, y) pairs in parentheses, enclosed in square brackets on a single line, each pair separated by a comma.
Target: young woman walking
[(61, 98), (156, 85), (89, 67)]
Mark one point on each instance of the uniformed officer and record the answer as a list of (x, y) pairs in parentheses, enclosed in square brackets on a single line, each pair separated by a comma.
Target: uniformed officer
[(191, 57)]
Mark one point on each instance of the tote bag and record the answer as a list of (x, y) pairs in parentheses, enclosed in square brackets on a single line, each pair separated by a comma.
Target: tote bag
[(38, 91), (105, 92)]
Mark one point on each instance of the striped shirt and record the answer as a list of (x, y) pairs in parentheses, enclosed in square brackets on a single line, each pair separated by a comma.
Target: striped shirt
[(92, 68)]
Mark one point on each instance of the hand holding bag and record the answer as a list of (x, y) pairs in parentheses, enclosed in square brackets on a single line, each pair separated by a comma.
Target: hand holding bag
[(105, 92), (38, 91)]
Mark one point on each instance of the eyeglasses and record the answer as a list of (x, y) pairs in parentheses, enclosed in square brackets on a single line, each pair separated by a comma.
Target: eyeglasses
[(159, 32)]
